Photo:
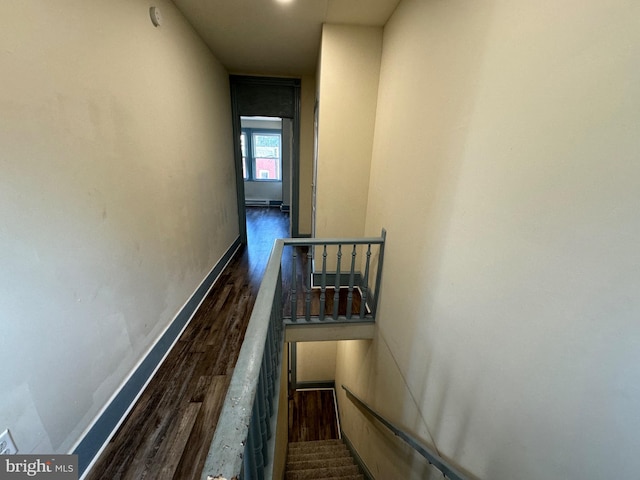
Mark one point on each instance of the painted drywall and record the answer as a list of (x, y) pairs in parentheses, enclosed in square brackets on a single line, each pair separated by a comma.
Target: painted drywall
[(117, 198), (505, 168), (348, 85), (316, 361)]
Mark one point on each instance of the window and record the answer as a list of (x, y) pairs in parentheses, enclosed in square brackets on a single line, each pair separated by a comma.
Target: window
[(265, 160)]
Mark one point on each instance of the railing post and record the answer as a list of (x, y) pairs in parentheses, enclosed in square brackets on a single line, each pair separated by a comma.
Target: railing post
[(374, 310)]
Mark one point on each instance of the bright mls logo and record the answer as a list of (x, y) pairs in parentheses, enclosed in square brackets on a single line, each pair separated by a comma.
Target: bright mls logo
[(49, 467)]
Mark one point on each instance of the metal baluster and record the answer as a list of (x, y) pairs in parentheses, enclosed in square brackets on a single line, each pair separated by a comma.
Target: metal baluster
[(351, 282), (365, 284), (294, 282), (323, 286), (336, 294)]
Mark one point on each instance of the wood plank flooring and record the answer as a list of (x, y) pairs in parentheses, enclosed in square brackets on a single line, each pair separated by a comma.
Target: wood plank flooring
[(312, 416), (168, 432)]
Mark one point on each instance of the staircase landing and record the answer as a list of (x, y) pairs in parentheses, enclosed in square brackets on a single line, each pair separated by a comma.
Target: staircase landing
[(312, 415)]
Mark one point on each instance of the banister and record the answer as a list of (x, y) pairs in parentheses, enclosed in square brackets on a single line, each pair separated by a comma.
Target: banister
[(241, 445), (429, 454), (225, 457), (301, 242)]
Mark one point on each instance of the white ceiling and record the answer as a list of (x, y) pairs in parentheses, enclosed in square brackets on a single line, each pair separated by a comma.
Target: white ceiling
[(267, 37)]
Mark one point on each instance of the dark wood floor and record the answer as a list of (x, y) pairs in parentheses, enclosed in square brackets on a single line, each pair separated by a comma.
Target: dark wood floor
[(312, 416), (168, 432)]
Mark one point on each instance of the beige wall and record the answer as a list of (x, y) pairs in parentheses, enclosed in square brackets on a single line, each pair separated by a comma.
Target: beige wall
[(348, 72), (116, 199), (348, 85), (316, 361), (505, 168)]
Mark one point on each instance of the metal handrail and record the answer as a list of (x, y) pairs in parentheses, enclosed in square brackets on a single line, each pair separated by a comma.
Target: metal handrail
[(433, 457)]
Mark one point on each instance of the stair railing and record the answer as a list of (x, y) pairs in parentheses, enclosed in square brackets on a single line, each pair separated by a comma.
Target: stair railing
[(243, 443), (330, 283), (433, 457)]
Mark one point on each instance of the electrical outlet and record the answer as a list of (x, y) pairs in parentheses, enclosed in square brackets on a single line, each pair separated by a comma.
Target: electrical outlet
[(7, 445)]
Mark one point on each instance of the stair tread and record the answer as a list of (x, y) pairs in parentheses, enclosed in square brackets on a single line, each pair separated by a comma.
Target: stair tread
[(319, 463), (303, 457), (317, 448), (321, 473), (315, 443), (321, 460), (327, 451)]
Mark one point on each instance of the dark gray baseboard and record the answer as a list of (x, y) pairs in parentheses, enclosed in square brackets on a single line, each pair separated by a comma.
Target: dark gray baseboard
[(263, 203), (108, 421), (316, 385), (363, 468)]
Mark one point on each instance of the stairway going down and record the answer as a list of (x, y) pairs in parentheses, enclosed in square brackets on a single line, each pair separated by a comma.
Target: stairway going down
[(321, 460)]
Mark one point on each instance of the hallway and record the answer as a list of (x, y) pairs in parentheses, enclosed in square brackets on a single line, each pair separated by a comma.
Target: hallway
[(168, 432)]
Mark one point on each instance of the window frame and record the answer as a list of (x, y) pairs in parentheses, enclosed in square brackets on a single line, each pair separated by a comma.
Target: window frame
[(249, 160)]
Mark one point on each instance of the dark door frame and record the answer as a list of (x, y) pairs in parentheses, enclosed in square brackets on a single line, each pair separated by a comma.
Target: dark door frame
[(270, 97)]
